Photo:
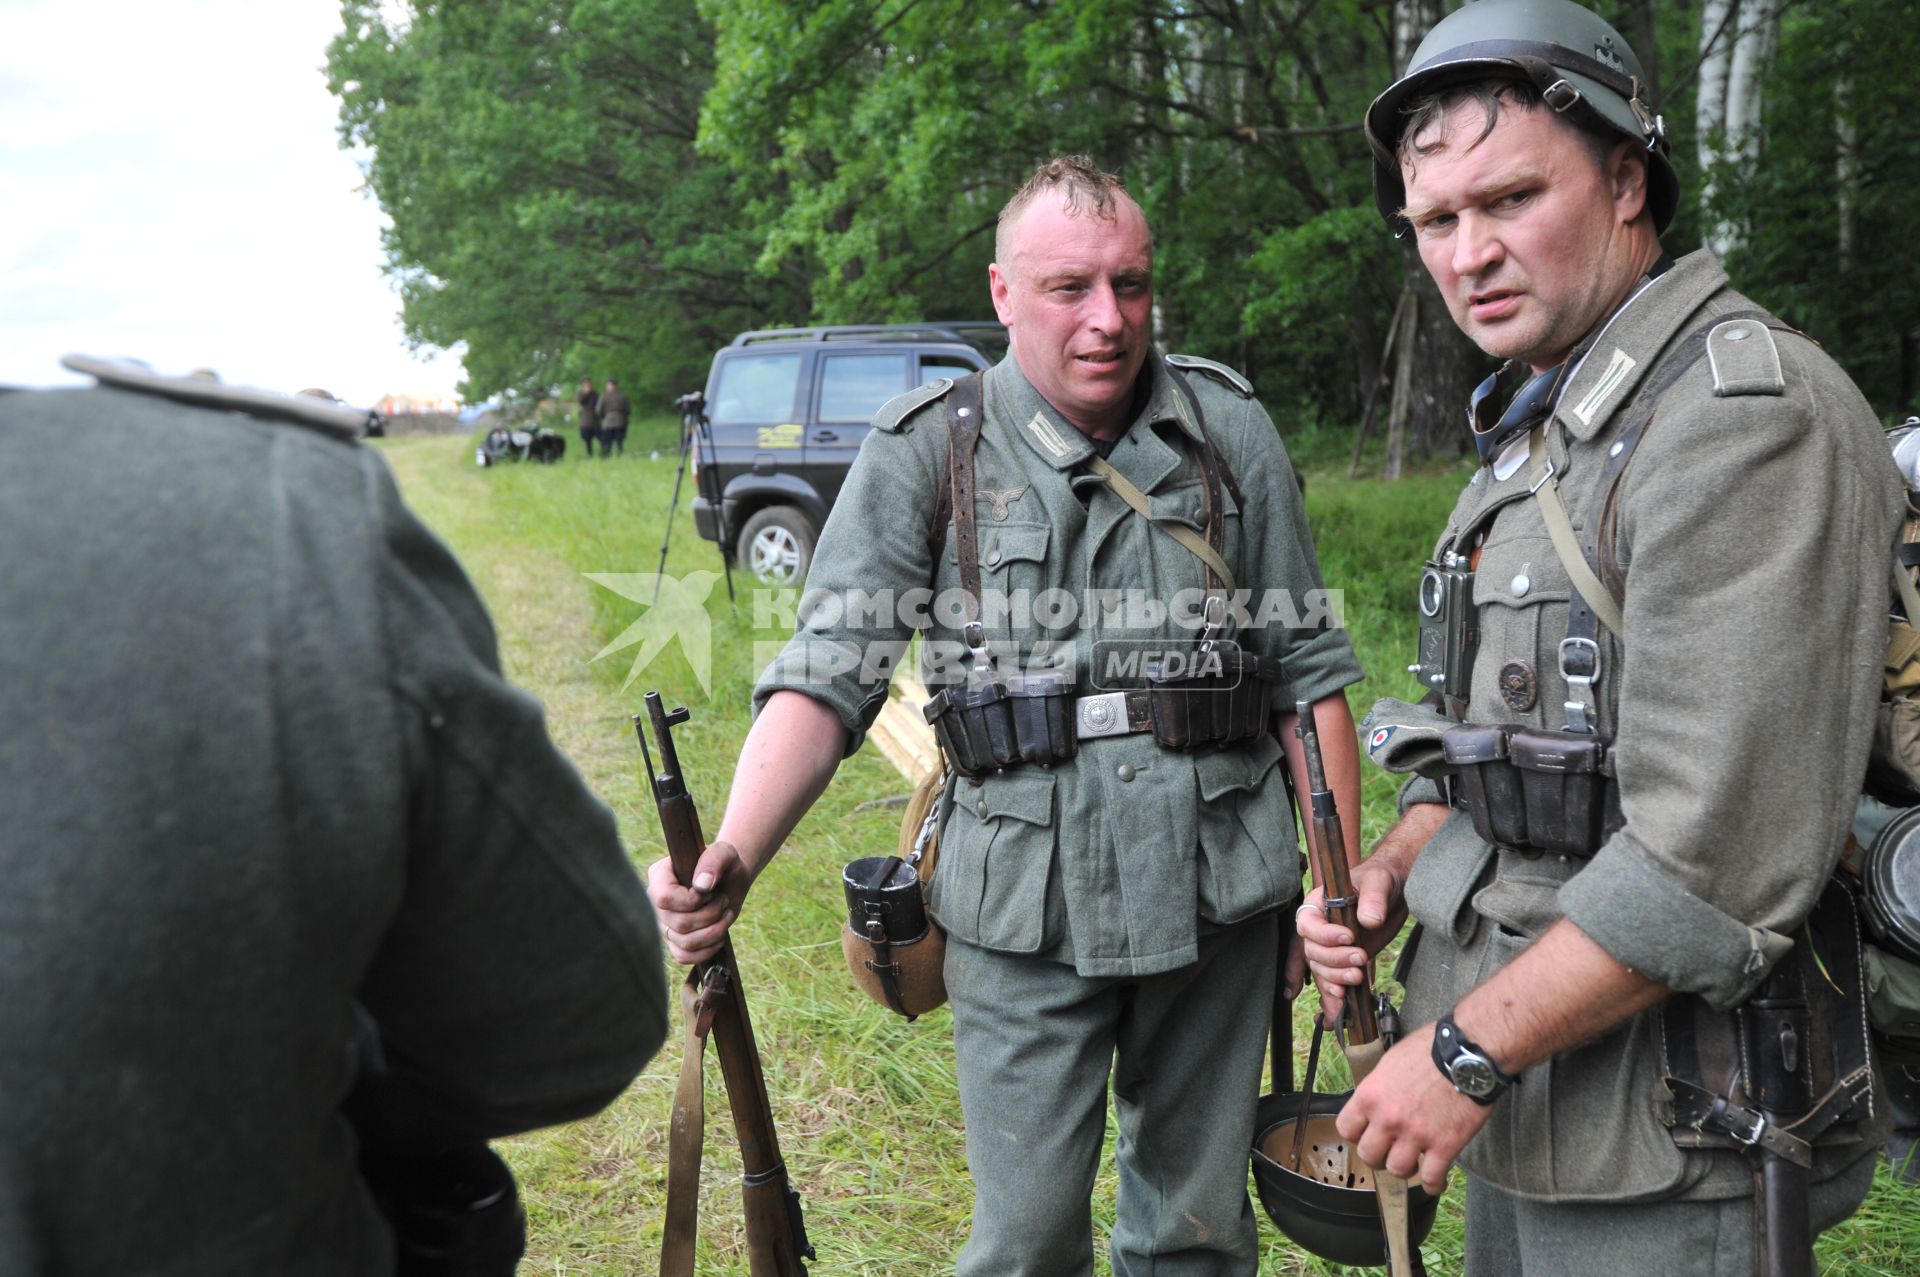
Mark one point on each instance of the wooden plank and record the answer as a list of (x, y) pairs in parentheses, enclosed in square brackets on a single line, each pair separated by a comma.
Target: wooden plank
[(902, 733)]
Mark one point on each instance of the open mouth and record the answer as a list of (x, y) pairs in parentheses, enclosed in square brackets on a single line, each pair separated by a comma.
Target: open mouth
[(1492, 305), (1102, 361)]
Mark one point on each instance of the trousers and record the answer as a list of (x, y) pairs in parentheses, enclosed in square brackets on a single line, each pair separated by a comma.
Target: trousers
[(1035, 1044), (1509, 1236)]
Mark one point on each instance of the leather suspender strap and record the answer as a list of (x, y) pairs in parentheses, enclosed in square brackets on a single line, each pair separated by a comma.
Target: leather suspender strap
[(686, 1136), (1219, 462), (963, 433), (1186, 536), (1592, 597)]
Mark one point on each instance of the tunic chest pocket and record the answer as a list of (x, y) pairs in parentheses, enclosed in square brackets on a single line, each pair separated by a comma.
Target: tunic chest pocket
[(1013, 558), (1187, 504), (1520, 594)]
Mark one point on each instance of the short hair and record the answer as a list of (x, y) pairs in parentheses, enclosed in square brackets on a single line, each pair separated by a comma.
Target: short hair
[(1428, 109), (1088, 189)]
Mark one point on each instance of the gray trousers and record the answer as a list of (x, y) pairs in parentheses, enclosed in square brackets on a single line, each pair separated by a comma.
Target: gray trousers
[(1510, 1236), (1034, 1044)]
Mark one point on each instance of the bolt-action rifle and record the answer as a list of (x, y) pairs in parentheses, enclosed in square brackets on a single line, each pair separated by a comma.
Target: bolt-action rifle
[(714, 1003), (1364, 1044)]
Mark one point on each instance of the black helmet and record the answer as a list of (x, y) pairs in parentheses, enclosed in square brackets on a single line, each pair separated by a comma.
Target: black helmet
[(1578, 62), (1328, 1206)]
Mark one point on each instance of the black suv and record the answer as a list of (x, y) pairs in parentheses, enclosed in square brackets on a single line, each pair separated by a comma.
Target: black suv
[(786, 409)]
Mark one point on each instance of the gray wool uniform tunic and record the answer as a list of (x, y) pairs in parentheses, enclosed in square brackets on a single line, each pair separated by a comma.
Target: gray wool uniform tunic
[(262, 780), (1754, 526), (1117, 859)]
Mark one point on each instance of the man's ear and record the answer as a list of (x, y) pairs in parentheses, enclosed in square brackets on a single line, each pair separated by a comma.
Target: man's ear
[(1627, 179), (1000, 285)]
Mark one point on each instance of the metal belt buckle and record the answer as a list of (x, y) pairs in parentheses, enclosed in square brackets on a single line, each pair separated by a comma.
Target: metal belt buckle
[(1101, 715)]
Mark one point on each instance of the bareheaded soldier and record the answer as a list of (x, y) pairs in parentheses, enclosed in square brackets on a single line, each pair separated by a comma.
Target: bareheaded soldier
[(1675, 557), (1112, 881)]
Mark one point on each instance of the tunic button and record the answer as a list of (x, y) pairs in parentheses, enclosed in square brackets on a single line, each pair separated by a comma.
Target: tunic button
[(980, 809), (1615, 450), (993, 558), (1124, 771), (1520, 585), (1736, 334)]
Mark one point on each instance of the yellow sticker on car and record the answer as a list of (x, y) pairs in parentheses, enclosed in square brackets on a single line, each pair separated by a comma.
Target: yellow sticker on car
[(787, 436)]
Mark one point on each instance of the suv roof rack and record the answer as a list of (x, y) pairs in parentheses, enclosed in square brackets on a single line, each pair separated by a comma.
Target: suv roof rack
[(936, 330)]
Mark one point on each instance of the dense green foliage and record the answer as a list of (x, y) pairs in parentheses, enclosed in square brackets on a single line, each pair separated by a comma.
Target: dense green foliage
[(1831, 211), (585, 187)]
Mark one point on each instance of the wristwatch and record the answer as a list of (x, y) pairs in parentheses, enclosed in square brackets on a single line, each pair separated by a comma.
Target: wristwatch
[(1471, 1071)]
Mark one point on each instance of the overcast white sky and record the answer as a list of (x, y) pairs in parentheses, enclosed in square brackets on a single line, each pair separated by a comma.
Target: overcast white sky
[(171, 189)]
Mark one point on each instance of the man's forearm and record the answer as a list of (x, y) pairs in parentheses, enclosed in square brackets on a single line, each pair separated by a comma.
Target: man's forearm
[(789, 756), (1562, 991), (1333, 720), (1401, 845)]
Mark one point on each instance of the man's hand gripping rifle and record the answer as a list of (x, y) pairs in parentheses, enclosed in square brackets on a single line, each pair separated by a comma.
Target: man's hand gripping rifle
[(714, 1002), (1363, 1041)]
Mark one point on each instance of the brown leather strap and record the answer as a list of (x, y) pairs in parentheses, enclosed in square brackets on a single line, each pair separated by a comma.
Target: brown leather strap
[(964, 412), (1211, 468), (687, 1135)]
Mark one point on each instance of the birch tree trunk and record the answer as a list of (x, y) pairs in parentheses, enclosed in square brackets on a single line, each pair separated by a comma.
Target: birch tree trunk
[(1737, 40)]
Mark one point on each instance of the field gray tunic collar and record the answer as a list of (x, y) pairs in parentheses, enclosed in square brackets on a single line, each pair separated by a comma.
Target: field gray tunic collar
[(1012, 398)]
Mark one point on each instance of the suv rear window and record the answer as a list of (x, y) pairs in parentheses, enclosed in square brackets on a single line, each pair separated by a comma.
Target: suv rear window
[(852, 387), (757, 389)]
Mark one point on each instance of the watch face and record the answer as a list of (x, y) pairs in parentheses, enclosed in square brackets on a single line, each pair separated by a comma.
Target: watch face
[(1473, 1076)]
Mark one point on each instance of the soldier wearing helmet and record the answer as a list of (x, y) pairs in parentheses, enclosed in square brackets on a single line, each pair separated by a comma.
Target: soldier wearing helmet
[(1652, 634)]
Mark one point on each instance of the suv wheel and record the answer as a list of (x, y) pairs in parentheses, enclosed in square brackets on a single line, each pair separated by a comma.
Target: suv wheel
[(776, 545)]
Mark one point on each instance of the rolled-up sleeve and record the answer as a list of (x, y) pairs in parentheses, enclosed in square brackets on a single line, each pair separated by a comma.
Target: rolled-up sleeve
[(853, 624)]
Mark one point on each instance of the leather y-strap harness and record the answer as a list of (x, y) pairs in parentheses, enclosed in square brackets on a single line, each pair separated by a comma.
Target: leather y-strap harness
[(965, 413)]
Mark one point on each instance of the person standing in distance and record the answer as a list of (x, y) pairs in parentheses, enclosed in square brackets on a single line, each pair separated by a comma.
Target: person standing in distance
[(589, 401), (1113, 913), (614, 410), (1675, 555)]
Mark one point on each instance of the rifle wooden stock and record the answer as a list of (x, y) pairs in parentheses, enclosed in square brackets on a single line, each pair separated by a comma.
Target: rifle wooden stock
[(717, 1005), (1327, 857)]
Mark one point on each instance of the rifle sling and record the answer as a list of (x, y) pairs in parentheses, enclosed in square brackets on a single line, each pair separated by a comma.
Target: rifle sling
[(965, 409), (687, 1136)]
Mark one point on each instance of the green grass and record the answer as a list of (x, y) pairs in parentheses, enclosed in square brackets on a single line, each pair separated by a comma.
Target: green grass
[(868, 1116)]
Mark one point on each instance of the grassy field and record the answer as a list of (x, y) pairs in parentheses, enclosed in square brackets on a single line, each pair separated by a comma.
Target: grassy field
[(869, 1120)]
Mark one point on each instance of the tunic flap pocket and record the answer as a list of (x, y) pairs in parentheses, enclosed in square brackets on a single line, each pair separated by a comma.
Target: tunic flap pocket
[(1519, 573), (1524, 908), (1025, 795), (1221, 771), (1004, 543), (1187, 504), (1450, 866)]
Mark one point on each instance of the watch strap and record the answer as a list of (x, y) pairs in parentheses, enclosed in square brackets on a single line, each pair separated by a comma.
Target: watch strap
[(1450, 1045)]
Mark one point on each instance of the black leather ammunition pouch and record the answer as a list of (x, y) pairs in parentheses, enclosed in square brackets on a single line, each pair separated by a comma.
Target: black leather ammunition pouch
[(1533, 789), (1219, 697), (989, 725)]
